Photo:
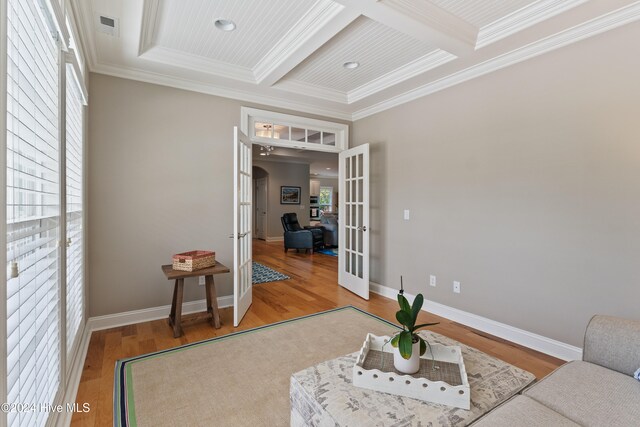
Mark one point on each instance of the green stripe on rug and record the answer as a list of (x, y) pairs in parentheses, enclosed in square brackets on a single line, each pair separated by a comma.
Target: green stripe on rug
[(172, 386)]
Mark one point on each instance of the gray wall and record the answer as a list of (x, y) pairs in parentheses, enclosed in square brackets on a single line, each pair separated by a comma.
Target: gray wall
[(523, 184), (160, 182), (288, 174)]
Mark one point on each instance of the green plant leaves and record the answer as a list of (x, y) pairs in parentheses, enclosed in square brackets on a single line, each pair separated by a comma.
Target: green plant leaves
[(404, 304), (405, 344), (394, 341), (417, 305), (404, 318), (424, 325)]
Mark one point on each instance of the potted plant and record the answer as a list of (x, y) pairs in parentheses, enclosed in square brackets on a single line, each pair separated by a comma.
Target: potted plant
[(408, 345)]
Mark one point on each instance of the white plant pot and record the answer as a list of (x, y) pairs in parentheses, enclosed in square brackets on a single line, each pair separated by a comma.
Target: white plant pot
[(407, 366)]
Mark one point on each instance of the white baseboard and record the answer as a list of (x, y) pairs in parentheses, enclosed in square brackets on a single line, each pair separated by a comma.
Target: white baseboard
[(275, 239), (519, 336), (147, 314)]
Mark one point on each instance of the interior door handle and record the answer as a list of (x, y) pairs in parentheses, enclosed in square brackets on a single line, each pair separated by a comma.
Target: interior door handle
[(363, 228), (240, 236)]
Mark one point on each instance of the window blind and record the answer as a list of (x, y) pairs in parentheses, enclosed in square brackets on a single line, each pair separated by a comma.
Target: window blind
[(33, 211), (75, 293)]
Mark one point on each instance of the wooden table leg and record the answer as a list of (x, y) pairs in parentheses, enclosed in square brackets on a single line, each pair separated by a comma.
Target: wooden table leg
[(177, 329), (172, 314), (212, 301)]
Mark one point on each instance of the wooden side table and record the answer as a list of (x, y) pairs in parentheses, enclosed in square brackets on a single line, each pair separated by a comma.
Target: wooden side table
[(175, 316)]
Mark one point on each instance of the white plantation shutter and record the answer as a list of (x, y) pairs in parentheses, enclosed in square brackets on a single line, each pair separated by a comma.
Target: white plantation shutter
[(33, 211), (75, 293)]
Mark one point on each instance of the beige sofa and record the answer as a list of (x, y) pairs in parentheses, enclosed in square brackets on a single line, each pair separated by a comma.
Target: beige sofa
[(598, 391)]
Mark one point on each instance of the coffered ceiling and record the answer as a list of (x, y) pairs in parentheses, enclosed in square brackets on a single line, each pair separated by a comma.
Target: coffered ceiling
[(291, 53)]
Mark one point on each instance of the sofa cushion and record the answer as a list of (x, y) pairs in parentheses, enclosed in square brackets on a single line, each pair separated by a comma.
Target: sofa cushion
[(590, 395), (522, 411)]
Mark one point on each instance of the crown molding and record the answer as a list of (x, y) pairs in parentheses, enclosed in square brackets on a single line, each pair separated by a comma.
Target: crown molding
[(328, 94), (211, 89), (523, 18), (83, 12), (198, 63), (421, 65), (150, 15), (321, 23), (583, 31)]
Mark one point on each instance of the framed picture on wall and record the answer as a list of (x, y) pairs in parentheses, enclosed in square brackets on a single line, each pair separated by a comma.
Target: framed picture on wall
[(289, 195)]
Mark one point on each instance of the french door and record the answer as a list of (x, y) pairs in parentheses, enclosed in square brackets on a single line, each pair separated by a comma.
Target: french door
[(242, 225), (353, 236)]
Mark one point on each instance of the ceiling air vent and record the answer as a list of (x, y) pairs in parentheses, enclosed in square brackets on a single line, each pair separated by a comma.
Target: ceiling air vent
[(109, 25)]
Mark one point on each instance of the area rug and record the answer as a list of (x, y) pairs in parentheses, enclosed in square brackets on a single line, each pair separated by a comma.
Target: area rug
[(243, 378), (264, 274), (329, 251)]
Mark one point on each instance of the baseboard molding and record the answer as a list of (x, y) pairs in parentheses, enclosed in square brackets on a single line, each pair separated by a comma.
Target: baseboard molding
[(519, 336), (145, 315), (275, 239)]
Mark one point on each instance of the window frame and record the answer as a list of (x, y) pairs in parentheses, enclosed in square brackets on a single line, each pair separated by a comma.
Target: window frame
[(60, 16), (251, 116), (330, 205)]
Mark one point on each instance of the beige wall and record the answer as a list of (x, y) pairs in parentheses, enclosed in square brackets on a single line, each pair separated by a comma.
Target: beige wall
[(288, 174), (524, 185), (160, 182)]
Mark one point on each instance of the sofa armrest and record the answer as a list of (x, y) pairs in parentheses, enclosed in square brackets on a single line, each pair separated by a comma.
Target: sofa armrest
[(330, 227), (614, 343)]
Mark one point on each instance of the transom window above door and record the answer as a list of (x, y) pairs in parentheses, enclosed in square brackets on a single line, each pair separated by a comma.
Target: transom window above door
[(285, 130)]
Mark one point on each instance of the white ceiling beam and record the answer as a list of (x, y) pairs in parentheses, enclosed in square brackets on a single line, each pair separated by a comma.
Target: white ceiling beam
[(150, 16), (321, 23), (421, 20)]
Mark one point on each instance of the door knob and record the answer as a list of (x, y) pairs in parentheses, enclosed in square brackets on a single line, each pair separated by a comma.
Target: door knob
[(363, 228)]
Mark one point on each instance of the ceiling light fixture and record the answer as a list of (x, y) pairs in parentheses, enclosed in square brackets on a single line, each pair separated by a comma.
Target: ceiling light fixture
[(351, 65), (266, 132), (225, 24), (265, 150)]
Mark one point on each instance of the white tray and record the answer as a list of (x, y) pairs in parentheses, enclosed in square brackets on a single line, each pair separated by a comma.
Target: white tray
[(413, 386)]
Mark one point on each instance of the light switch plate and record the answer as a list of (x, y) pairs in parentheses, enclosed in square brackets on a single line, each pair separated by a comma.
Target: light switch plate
[(201, 280)]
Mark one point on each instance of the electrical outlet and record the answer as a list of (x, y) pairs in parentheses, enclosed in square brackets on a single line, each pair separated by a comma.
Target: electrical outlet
[(407, 214), (201, 280), (432, 280), (456, 287)]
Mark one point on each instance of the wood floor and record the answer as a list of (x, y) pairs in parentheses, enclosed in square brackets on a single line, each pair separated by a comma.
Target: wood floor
[(312, 288)]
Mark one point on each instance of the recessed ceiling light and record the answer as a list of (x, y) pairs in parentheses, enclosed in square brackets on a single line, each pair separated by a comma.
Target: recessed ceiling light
[(225, 24), (351, 65)]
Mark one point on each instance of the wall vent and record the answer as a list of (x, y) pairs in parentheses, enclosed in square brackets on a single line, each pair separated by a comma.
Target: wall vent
[(108, 25)]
